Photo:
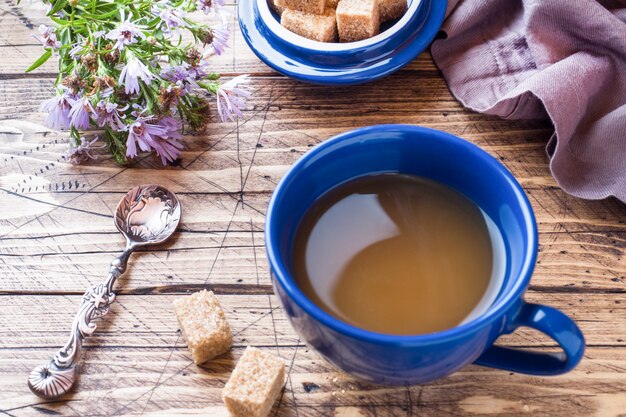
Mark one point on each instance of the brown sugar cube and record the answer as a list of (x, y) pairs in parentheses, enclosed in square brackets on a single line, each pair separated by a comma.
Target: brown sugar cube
[(203, 324), (307, 6), (332, 4), (255, 384), (357, 19), (276, 8), (391, 9), (322, 28)]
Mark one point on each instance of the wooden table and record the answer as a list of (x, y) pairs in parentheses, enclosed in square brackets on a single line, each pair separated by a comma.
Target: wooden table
[(57, 238)]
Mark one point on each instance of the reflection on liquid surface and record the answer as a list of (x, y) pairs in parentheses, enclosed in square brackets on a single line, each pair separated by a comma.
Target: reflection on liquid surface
[(398, 254)]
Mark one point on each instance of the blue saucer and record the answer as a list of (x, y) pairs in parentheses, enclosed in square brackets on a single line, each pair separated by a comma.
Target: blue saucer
[(340, 63)]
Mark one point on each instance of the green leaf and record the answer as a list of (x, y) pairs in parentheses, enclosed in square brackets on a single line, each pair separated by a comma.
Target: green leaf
[(148, 97), (116, 146), (158, 34), (75, 135), (153, 22), (65, 35), (57, 6), (102, 16), (58, 21), (42, 59)]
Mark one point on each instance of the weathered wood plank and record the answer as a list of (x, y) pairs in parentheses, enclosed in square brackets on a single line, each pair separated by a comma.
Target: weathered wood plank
[(134, 381), (149, 322)]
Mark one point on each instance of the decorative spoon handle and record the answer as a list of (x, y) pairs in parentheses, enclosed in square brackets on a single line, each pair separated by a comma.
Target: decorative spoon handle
[(57, 377)]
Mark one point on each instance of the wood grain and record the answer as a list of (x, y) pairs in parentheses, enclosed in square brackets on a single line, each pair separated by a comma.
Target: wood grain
[(174, 386), (57, 238)]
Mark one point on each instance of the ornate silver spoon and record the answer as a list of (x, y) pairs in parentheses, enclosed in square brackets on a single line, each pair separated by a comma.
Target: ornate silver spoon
[(146, 215)]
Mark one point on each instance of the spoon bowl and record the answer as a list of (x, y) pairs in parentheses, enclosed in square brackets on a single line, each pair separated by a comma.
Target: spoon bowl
[(147, 215)]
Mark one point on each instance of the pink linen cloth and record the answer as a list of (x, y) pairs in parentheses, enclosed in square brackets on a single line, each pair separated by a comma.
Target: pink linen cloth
[(562, 59)]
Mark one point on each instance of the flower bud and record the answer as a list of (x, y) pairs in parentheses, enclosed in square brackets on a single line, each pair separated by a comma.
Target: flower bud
[(90, 61), (74, 83), (206, 36)]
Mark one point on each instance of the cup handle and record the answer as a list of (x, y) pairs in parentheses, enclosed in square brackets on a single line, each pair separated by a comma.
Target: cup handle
[(554, 324)]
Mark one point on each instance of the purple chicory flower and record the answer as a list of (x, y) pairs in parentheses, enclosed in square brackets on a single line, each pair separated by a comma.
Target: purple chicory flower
[(46, 31), (77, 154), (58, 108), (173, 19), (77, 49), (199, 71), (107, 92), (220, 38), (168, 147), (143, 133), (208, 6), (181, 76), (79, 114), (125, 34), (231, 98), (48, 38), (137, 111), (107, 113), (175, 73), (172, 125), (129, 77), (162, 137)]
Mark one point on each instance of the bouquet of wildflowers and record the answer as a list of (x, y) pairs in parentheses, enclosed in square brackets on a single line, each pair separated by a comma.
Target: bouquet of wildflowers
[(126, 72)]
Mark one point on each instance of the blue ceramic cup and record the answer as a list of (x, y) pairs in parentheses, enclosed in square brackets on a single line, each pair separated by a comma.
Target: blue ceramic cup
[(403, 360)]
